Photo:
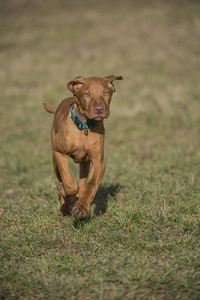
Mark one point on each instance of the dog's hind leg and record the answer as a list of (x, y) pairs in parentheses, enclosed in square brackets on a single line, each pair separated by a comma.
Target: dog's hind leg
[(64, 206)]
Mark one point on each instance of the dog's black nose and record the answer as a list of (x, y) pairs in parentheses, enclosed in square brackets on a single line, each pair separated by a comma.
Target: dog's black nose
[(98, 109)]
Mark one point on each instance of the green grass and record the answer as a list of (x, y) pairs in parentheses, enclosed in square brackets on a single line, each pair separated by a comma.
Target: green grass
[(141, 240)]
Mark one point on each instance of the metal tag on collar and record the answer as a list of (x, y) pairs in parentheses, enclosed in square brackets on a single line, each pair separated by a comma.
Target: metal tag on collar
[(86, 130)]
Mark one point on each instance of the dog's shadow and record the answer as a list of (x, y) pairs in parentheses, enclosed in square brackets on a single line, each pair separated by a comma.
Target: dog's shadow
[(100, 202), (101, 199)]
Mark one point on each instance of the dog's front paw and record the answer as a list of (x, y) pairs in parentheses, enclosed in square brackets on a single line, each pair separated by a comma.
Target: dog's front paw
[(80, 210)]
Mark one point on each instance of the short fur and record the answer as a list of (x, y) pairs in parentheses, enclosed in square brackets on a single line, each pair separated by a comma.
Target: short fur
[(92, 97)]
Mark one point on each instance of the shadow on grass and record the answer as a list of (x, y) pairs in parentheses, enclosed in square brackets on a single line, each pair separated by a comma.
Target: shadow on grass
[(101, 199), (100, 202)]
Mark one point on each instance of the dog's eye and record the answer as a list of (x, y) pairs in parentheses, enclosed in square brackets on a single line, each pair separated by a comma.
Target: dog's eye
[(87, 94), (105, 93)]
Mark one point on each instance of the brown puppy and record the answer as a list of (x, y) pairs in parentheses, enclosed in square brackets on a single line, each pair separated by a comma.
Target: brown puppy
[(78, 132)]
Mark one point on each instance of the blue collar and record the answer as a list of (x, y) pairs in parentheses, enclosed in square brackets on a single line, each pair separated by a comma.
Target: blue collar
[(79, 123)]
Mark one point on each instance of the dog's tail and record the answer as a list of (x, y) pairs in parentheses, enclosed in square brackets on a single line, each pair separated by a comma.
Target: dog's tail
[(49, 109)]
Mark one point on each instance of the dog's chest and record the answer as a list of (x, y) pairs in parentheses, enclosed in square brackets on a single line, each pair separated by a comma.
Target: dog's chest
[(78, 146), (79, 156), (79, 150)]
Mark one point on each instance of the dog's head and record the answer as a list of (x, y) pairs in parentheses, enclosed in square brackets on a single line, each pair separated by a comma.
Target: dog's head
[(93, 95)]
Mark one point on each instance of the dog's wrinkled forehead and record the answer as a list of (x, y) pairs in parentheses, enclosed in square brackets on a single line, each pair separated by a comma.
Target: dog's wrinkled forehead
[(95, 84)]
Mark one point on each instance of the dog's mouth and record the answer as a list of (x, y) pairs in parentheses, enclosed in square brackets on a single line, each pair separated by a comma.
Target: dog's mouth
[(99, 116)]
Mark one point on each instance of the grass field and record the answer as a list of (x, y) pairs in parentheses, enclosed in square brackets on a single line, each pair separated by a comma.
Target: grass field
[(142, 238)]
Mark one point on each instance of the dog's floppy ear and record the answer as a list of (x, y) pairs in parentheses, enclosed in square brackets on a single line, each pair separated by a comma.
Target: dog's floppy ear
[(110, 80), (75, 84)]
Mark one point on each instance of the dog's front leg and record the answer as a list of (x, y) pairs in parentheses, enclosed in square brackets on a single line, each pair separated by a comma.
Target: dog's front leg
[(84, 169), (69, 183), (81, 207)]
